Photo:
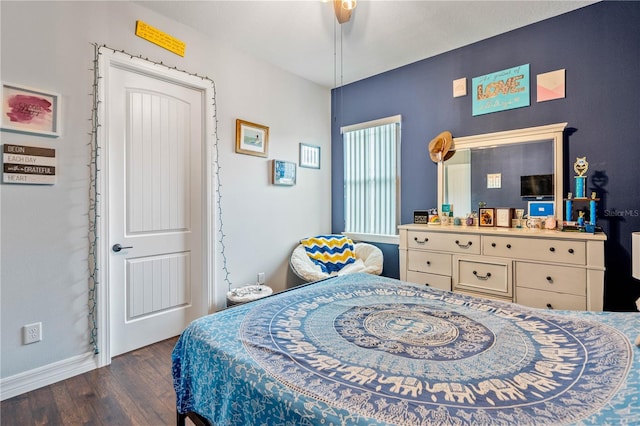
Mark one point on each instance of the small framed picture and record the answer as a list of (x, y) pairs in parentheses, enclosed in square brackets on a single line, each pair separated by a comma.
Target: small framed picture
[(486, 216), (309, 156), (504, 216), (284, 173), (421, 216), (252, 138), (29, 110)]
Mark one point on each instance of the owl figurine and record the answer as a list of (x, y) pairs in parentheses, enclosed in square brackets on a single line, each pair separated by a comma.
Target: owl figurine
[(581, 165)]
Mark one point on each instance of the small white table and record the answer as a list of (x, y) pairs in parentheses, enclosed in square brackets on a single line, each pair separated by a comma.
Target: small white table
[(248, 293)]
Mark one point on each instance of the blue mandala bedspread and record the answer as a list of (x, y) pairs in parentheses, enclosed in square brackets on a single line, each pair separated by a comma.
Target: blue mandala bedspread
[(368, 350)]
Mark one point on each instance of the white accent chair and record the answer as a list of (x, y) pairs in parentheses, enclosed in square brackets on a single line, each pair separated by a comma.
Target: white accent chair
[(369, 259)]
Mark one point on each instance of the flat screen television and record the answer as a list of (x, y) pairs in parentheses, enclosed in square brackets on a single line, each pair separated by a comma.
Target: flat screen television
[(536, 186)]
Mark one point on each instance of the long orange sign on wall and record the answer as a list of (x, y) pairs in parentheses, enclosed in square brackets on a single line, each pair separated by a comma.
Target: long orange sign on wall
[(162, 39)]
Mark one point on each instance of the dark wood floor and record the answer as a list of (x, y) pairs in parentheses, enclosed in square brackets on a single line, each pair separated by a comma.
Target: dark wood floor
[(136, 389)]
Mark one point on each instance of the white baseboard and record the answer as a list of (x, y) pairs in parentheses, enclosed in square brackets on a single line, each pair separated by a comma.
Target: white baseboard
[(46, 375)]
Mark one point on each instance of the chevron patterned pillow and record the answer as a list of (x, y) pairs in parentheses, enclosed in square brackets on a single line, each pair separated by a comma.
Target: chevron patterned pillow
[(330, 252)]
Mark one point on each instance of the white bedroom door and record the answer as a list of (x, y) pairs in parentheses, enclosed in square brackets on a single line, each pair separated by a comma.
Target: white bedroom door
[(155, 161)]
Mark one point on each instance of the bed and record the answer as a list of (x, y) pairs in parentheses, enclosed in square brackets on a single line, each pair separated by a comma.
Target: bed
[(368, 350)]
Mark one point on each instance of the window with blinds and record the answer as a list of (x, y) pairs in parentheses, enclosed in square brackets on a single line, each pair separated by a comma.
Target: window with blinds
[(372, 177)]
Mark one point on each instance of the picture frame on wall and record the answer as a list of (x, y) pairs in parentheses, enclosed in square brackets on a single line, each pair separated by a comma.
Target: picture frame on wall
[(309, 156), (486, 216), (284, 173), (30, 110), (252, 138), (504, 216)]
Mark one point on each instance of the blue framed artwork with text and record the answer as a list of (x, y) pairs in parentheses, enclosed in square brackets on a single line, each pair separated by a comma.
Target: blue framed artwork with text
[(284, 173), (502, 90)]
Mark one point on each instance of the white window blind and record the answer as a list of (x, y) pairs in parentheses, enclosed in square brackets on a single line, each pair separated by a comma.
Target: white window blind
[(371, 177)]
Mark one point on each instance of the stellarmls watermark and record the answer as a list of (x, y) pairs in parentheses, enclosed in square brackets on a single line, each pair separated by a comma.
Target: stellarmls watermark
[(627, 213)]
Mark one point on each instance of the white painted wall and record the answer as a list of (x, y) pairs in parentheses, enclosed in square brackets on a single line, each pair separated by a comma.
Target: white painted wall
[(44, 235)]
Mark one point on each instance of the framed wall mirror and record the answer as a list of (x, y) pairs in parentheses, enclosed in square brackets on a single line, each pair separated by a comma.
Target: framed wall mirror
[(504, 169)]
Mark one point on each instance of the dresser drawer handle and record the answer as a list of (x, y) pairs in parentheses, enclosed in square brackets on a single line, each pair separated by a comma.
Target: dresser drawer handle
[(550, 279), (482, 277), (549, 306), (427, 284), (463, 245), (552, 249), (420, 242), (571, 251), (493, 244), (428, 263), (508, 246)]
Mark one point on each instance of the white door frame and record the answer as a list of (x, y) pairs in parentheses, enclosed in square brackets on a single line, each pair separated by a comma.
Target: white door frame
[(122, 60)]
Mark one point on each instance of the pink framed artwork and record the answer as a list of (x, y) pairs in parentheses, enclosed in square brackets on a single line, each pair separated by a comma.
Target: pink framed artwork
[(29, 110)]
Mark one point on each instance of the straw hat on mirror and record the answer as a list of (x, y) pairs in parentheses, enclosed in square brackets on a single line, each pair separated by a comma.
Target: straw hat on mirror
[(440, 147)]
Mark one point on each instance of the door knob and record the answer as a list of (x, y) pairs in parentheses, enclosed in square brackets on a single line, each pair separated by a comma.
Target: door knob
[(117, 247)]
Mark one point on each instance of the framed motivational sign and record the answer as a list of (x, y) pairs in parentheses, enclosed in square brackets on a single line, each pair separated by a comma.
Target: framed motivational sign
[(28, 165)]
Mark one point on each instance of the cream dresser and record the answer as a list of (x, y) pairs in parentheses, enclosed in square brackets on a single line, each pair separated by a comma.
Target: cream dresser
[(537, 268)]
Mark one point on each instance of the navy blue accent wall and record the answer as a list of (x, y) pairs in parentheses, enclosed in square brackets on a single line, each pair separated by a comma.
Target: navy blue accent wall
[(599, 46)]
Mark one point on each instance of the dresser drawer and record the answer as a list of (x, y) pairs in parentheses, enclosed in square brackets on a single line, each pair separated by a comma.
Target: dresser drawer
[(550, 300), (484, 275), (442, 282), (426, 261), (559, 279), (542, 249), (440, 241)]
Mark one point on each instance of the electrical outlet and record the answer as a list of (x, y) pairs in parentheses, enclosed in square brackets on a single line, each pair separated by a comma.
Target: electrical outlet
[(260, 277), (32, 333)]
